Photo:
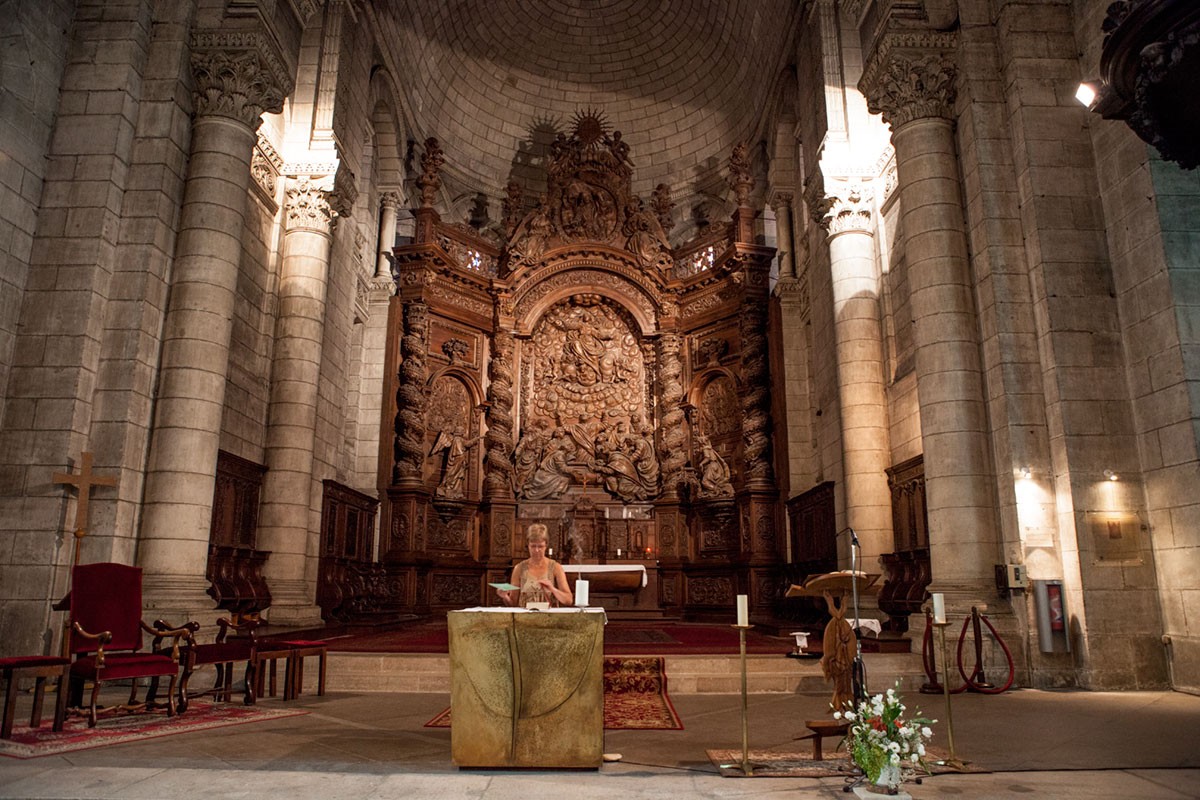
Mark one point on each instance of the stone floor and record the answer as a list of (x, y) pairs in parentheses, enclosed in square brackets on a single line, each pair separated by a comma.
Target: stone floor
[(354, 745)]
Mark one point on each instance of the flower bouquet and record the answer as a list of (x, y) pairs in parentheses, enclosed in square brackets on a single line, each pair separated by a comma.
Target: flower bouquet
[(883, 743)]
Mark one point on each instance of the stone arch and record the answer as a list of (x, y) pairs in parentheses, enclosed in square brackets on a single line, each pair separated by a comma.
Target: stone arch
[(389, 131)]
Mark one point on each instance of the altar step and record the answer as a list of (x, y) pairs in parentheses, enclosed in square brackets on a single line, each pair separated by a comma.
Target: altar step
[(686, 674)]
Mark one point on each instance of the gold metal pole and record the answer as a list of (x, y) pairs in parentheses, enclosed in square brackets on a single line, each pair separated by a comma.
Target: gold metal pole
[(745, 766), (953, 761)]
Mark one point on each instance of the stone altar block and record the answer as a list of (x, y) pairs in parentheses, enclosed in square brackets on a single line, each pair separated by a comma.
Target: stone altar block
[(526, 687)]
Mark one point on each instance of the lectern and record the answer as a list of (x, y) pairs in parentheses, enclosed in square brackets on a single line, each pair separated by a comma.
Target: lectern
[(527, 687)]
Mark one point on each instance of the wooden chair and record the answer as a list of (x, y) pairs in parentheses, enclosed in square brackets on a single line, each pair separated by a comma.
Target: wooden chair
[(39, 668), (106, 636), (222, 654)]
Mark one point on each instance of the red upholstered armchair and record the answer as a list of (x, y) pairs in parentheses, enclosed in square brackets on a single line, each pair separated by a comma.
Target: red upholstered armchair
[(106, 635)]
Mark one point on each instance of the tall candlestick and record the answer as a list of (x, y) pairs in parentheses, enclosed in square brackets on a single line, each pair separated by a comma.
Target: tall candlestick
[(743, 610), (939, 608)]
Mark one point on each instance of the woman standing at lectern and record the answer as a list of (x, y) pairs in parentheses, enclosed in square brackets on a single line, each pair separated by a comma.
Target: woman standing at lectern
[(542, 580)]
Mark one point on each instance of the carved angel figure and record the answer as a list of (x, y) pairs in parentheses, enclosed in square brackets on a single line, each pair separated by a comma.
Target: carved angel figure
[(454, 472)]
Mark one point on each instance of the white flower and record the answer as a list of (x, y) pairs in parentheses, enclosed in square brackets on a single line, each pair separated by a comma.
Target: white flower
[(915, 758), (921, 749), (926, 732), (894, 747), (895, 759), (837, 715)]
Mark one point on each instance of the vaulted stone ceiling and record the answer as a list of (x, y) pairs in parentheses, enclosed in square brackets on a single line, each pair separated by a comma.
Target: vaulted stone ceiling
[(494, 80)]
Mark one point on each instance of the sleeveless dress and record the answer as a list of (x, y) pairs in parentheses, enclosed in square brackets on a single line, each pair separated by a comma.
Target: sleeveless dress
[(531, 590)]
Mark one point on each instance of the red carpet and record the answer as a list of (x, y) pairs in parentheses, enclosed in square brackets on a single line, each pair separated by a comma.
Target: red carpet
[(31, 743), (620, 638), (635, 697)]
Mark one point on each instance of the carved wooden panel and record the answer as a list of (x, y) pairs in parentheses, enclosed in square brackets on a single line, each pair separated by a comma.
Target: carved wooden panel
[(235, 501), (711, 590), (814, 529), (235, 565)]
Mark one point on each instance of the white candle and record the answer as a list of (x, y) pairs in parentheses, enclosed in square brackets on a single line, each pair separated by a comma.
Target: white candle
[(581, 593), (743, 610), (939, 608), (549, 551), (618, 552)]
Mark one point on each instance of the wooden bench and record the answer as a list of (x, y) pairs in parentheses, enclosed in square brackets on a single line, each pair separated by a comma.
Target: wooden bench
[(39, 668), (820, 729)]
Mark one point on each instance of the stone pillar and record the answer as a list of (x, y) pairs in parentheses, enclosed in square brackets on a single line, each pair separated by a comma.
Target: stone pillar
[(781, 202), (858, 335), (915, 93), (233, 89), (389, 204), (286, 528)]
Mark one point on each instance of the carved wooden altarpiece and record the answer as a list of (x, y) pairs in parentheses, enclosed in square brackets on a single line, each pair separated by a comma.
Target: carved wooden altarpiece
[(583, 374)]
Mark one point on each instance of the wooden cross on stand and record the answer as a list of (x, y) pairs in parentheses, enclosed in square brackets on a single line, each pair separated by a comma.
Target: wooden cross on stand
[(83, 481)]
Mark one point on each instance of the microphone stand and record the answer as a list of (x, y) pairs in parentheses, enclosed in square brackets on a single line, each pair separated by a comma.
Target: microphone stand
[(858, 674)]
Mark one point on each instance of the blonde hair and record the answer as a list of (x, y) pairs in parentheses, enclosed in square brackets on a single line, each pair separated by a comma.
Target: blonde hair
[(537, 533)]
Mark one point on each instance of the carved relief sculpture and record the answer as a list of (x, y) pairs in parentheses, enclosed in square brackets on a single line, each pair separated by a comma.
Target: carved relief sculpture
[(431, 166)]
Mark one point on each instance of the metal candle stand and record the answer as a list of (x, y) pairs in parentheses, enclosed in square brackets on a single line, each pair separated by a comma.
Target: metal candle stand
[(953, 762), (745, 766)]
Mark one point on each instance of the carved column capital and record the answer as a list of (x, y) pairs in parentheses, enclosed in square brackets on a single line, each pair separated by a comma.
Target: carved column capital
[(309, 206), (238, 75), (389, 201), (848, 210), (781, 200), (910, 77)]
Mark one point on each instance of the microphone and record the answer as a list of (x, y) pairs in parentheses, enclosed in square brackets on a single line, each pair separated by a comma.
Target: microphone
[(853, 537)]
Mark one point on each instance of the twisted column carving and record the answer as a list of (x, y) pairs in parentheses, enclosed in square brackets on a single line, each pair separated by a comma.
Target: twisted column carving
[(756, 398), (498, 477), (672, 453), (412, 397), (239, 85)]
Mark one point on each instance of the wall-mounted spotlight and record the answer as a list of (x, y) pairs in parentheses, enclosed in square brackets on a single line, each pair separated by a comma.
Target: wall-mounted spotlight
[(1087, 92), (1024, 473), (1110, 475)]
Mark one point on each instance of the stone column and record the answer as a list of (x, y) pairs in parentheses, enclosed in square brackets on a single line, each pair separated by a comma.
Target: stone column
[(233, 89), (781, 202), (914, 90), (286, 528), (858, 336), (389, 204)]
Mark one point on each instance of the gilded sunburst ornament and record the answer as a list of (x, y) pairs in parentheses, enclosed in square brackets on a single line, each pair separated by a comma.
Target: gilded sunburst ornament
[(590, 127)]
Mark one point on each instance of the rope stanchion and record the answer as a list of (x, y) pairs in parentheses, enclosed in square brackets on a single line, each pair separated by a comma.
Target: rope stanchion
[(976, 681)]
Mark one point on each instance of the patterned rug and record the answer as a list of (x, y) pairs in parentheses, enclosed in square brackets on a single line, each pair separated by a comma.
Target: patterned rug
[(635, 697), (27, 742), (797, 764)]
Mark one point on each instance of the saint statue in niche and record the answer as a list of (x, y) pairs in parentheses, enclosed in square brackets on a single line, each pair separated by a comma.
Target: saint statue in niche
[(714, 472), (454, 473)]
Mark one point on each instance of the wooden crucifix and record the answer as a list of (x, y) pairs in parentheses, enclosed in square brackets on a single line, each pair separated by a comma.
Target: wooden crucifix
[(83, 481)]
